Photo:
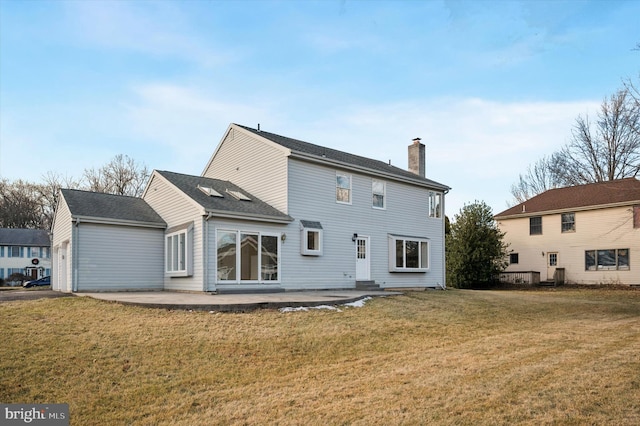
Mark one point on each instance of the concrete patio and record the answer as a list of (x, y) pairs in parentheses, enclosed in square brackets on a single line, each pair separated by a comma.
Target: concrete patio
[(236, 302)]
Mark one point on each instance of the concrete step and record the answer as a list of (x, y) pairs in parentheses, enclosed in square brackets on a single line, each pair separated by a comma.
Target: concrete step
[(367, 285)]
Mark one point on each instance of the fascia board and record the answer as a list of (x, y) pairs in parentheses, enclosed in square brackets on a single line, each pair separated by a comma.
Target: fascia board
[(568, 210), (245, 216), (376, 173), (110, 221)]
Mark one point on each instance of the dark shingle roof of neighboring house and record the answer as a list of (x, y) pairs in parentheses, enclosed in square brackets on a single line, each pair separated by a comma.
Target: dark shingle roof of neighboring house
[(110, 207), (329, 154), (227, 203), (24, 237), (579, 197)]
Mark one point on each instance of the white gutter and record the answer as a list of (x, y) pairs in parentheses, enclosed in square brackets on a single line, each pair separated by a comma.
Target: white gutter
[(205, 249)]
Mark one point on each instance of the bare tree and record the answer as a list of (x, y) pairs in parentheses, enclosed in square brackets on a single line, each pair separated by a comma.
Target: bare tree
[(601, 150), (20, 205), (49, 192), (121, 176)]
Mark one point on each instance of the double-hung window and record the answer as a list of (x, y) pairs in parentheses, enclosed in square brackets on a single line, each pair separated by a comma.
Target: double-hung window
[(378, 191), (435, 202), (343, 188), (408, 254), (15, 251), (568, 222), (179, 251), (535, 225)]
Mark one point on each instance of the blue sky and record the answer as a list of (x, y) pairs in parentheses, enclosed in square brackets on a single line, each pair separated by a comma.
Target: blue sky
[(490, 87)]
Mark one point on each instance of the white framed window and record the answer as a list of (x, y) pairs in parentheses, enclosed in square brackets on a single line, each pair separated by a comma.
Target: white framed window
[(408, 254), (34, 252), (310, 238), (247, 256), (46, 252), (606, 260), (15, 251), (179, 251), (378, 194), (568, 222), (343, 188), (435, 204)]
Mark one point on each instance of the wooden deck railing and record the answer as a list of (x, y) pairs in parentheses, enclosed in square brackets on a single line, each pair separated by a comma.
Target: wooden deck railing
[(520, 277)]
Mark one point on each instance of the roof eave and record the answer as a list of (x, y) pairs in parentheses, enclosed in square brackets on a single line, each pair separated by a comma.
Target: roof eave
[(124, 222), (248, 216), (568, 209), (323, 160)]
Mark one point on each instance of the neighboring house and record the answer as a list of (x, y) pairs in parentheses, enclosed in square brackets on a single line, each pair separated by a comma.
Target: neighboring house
[(104, 242), (590, 231), (24, 251), (271, 213)]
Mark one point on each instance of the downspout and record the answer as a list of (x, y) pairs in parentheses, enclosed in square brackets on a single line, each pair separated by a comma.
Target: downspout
[(74, 259), (205, 260), (444, 243)]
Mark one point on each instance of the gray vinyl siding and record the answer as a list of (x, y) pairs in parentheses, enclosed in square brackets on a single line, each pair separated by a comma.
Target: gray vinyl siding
[(119, 258), (255, 165), (312, 196), (62, 230), (243, 226), (176, 209)]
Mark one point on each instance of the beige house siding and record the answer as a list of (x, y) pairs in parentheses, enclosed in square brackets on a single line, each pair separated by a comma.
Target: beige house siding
[(256, 165), (177, 209), (600, 229)]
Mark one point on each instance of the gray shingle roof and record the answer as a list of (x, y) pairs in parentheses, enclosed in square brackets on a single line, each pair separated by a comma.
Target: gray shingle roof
[(343, 157), (98, 205), (24, 237), (225, 204)]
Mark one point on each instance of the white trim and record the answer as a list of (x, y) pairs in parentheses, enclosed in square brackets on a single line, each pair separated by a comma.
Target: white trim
[(422, 242), (237, 264)]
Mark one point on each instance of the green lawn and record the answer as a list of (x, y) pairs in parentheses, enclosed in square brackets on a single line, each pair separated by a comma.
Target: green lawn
[(557, 356)]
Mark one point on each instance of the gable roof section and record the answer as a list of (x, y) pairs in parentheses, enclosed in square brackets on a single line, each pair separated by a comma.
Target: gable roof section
[(226, 205), (24, 237), (328, 155), (581, 197), (110, 208)]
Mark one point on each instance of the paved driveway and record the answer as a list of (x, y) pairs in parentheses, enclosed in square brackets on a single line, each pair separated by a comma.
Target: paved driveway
[(11, 295)]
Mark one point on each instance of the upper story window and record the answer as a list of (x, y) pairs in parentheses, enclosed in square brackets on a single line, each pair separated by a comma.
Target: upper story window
[(535, 225), (568, 222), (378, 190), (343, 188), (435, 204), (15, 251)]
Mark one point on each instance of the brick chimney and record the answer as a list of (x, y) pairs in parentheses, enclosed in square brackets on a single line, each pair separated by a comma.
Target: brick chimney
[(417, 158)]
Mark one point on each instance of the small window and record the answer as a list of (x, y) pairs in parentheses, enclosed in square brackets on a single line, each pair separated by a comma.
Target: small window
[(408, 254), (178, 252), (343, 188), (378, 190), (514, 258), (535, 225), (46, 252), (435, 208), (310, 238), (568, 222)]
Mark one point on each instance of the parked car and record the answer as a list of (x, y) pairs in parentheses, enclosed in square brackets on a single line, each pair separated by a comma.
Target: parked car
[(37, 283)]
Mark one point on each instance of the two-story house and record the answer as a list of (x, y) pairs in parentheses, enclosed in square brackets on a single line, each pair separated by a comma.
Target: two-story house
[(591, 232), (24, 251), (268, 213)]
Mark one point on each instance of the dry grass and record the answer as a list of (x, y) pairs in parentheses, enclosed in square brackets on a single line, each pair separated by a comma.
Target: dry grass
[(568, 356)]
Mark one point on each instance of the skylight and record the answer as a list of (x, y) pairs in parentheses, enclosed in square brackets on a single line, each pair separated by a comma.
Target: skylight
[(238, 195), (210, 191)]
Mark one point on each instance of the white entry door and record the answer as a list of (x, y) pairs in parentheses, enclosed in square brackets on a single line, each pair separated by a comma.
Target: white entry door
[(552, 264), (363, 265)]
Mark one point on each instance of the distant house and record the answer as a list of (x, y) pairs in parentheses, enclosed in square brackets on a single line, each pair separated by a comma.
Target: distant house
[(591, 232), (268, 213), (24, 251)]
